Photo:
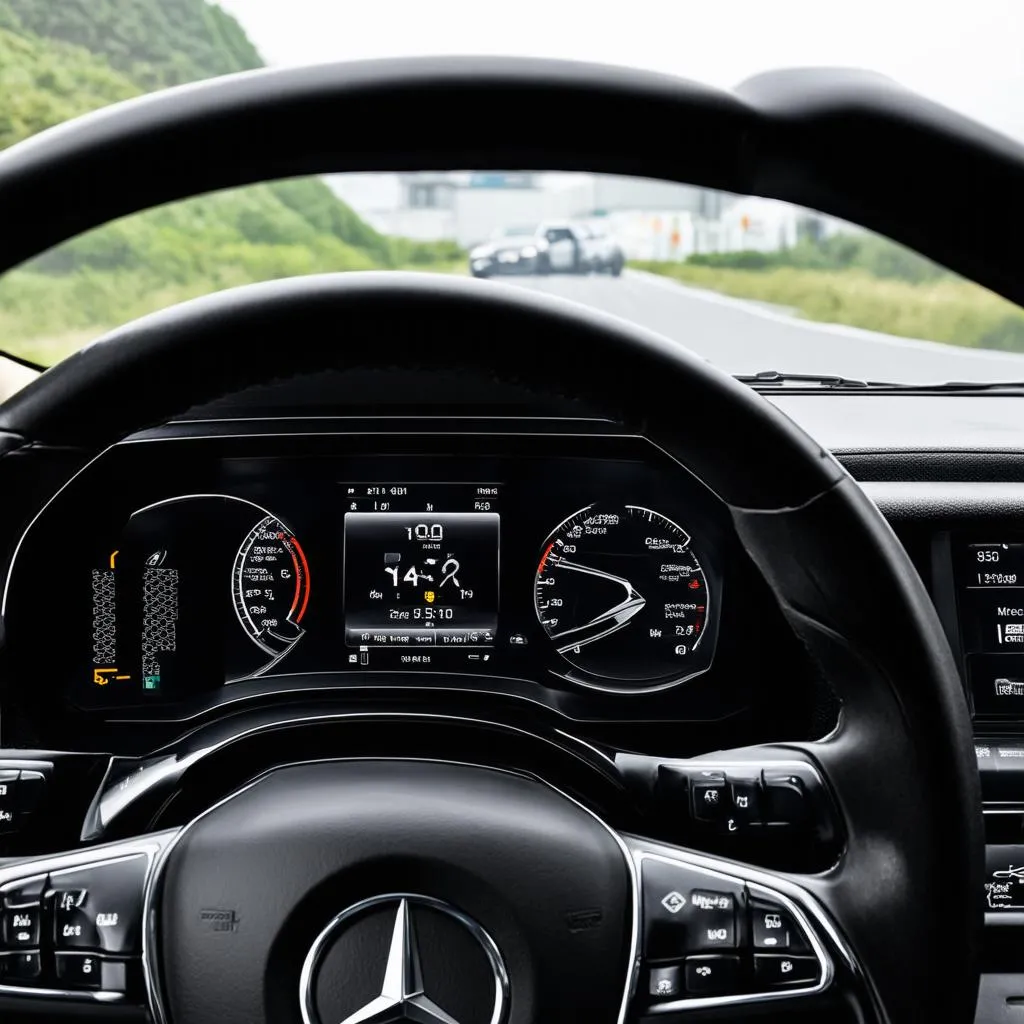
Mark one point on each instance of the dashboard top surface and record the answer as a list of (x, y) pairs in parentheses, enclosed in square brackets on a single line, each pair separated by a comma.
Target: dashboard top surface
[(845, 422)]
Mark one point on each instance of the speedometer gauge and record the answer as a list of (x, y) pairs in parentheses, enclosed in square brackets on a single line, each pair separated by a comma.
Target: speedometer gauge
[(270, 584), (622, 596)]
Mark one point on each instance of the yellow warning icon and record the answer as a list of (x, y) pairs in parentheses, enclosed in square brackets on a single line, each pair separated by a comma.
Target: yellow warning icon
[(429, 596)]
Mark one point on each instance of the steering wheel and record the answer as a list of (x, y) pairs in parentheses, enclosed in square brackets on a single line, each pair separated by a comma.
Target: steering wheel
[(264, 907)]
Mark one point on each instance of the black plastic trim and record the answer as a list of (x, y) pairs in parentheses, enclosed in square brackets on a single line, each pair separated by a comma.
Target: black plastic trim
[(850, 143)]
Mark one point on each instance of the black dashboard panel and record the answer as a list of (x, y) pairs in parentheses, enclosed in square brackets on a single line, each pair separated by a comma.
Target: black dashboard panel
[(189, 572)]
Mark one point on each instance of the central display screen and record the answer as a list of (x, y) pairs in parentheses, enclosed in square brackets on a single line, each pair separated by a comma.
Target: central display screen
[(991, 608), (424, 579)]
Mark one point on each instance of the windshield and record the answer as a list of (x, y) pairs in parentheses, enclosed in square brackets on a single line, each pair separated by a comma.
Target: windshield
[(748, 283)]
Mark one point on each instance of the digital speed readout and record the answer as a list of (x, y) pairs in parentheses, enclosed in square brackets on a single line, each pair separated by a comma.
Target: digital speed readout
[(421, 579)]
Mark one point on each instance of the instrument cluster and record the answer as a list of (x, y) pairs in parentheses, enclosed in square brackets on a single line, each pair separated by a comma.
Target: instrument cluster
[(176, 572)]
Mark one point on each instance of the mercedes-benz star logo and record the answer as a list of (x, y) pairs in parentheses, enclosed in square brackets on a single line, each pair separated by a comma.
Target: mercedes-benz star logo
[(403, 996)]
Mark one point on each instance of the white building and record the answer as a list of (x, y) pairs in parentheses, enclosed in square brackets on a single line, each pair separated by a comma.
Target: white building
[(464, 206), (615, 193), (652, 219)]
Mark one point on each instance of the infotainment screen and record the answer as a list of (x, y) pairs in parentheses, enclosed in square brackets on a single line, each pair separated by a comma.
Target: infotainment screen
[(421, 568), (990, 600)]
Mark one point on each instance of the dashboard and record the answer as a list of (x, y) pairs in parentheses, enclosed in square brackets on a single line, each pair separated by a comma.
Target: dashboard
[(244, 591), (559, 561), (582, 570)]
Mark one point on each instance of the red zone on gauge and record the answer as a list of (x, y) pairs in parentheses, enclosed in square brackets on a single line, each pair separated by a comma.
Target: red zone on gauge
[(271, 586)]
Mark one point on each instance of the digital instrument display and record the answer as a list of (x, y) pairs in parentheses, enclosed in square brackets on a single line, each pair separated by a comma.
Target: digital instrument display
[(421, 568), (991, 611), (564, 572)]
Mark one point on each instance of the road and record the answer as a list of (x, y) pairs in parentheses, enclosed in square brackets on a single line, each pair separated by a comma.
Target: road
[(743, 337)]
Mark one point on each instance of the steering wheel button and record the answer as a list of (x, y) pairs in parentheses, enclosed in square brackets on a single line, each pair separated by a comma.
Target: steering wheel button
[(713, 920), (712, 975), (772, 928), (665, 982), (772, 971), (666, 904), (72, 928), (99, 908), (21, 927), (680, 917), (7, 816), (79, 970), (20, 968), (786, 798), (710, 799), (746, 801)]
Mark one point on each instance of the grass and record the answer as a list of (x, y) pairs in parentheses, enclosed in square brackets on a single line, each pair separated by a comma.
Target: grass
[(46, 317), (949, 309)]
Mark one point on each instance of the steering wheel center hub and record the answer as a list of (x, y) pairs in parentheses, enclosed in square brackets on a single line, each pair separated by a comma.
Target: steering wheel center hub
[(472, 895)]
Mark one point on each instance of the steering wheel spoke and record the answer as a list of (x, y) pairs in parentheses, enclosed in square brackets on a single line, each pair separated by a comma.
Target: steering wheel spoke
[(73, 930), (718, 934)]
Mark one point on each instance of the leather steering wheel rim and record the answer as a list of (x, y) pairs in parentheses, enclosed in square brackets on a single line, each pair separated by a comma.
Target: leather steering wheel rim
[(901, 763)]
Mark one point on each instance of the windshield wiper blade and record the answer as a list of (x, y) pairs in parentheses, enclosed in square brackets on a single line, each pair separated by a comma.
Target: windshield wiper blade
[(774, 379), (1009, 386), (823, 380), (21, 360)]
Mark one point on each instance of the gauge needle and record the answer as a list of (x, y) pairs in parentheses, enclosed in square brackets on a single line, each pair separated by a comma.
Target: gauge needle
[(608, 621)]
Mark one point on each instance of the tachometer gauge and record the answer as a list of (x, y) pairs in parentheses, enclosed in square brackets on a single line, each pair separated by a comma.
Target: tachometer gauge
[(622, 596), (270, 584), (171, 593)]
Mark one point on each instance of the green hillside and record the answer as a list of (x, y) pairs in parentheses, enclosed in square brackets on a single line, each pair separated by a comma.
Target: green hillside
[(154, 43), (43, 82), (59, 60)]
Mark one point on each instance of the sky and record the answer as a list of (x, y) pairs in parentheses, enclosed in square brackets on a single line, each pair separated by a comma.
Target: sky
[(968, 54)]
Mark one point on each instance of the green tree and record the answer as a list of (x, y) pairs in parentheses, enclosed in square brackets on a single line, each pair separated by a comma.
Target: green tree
[(153, 42)]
